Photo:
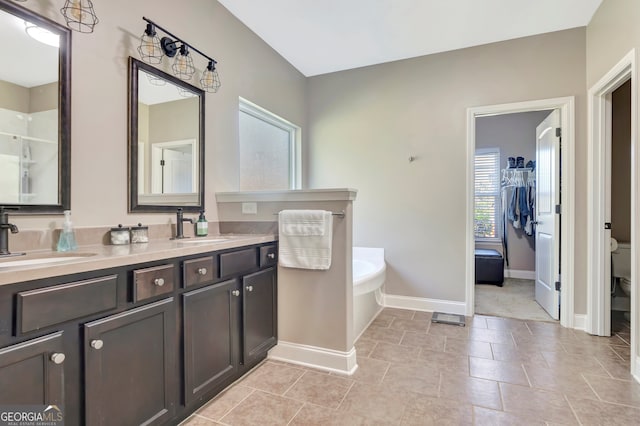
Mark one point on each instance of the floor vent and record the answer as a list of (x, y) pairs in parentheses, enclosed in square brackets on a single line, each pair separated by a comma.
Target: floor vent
[(451, 319)]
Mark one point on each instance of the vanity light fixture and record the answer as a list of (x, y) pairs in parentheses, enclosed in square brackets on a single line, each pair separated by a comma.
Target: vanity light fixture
[(80, 15), (183, 64), (149, 49), (210, 81), (152, 48)]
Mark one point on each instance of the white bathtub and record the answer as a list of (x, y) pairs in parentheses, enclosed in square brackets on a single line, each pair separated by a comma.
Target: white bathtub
[(369, 274)]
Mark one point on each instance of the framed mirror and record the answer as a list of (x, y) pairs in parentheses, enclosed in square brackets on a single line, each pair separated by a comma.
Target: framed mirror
[(35, 112), (166, 141)]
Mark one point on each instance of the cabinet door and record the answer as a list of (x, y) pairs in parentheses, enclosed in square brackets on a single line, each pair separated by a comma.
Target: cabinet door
[(129, 366), (259, 314), (32, 373), (211, 329)]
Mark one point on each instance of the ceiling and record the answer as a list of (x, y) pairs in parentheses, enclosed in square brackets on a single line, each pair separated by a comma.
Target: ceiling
[(19, 49), (319, 37)]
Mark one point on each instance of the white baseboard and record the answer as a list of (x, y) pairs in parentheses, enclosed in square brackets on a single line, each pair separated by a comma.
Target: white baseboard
[(423, 304), (315, 357), (520, 274), (580, 322)]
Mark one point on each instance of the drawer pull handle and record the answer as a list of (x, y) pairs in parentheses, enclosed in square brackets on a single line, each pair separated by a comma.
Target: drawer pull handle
[(249, 288), (271, 255), (97, 344), (202, 271), (236, 293), (57, 358), (159, 282)]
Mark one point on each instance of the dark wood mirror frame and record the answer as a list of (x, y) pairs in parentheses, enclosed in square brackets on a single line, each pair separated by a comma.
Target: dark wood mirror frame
[(134, 204), (64, 112)]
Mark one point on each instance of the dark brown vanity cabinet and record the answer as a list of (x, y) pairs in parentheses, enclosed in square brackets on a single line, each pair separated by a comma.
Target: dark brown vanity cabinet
[(228, 326), (259, 314), (129, 366), (32, 372), (211, 337), (143, 343)]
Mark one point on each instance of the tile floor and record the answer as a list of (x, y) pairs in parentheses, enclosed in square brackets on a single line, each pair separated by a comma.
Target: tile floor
[(495, 371)]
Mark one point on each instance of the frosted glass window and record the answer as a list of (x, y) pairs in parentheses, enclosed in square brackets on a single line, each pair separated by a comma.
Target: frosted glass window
[(268, 150)]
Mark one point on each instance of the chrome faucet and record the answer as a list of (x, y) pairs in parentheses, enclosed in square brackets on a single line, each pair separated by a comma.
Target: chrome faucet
[(5, 227), (180, 220)]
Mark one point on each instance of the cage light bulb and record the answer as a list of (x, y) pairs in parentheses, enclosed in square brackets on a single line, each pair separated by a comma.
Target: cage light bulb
[(76, 10), (182, 63), (149, 47)]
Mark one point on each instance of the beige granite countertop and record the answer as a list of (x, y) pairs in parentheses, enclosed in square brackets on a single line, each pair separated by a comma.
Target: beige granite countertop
[(95, 257)]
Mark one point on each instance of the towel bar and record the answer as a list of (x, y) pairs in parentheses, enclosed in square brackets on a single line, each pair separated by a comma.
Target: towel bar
[(340, 214)]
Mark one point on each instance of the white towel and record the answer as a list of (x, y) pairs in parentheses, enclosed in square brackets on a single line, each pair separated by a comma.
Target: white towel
[(305, 238)]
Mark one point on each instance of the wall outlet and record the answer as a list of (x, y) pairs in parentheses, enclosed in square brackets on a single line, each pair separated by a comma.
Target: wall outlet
[(249, 208)]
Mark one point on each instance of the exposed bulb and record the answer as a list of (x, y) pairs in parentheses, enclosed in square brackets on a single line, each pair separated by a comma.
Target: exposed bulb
[(76, 10), (182, 63)]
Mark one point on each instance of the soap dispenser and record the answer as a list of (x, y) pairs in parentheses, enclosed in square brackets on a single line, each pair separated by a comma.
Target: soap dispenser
[(67, 240), (202, 226)]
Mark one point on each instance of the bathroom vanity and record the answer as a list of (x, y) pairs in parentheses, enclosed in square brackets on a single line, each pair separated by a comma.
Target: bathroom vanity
[(141, 336)]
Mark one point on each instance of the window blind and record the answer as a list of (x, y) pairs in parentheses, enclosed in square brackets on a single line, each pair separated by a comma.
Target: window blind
[(487, 193)]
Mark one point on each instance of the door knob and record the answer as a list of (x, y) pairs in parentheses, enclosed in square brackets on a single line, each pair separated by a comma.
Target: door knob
[(57, 358), (97, 344), (271, 255), (236, 293), (202, 271), (159, 282), (249, 288)]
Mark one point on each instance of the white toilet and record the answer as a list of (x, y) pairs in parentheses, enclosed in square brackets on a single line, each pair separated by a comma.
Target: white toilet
[(621, 266)]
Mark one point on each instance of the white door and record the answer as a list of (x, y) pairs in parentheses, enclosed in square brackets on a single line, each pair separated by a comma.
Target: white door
[(177, 172), (548, 222)]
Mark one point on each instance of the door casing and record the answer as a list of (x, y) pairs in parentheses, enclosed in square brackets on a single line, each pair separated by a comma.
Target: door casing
[(566, 105), (598, 205)]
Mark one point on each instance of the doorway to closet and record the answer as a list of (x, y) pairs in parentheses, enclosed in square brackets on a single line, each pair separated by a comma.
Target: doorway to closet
[(507, 150), (562, 212)]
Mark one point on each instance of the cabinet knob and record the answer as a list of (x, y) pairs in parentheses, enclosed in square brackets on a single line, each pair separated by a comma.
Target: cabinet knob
[(159, 282), (57, 358), (236, 293), (271, 255), (97, 344), (202, 271), (249, 288)]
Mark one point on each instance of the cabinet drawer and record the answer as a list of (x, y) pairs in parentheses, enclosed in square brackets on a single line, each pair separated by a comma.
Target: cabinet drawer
[(238, 262), (268, 255), (199, 271), (151, 282), (48, 306)]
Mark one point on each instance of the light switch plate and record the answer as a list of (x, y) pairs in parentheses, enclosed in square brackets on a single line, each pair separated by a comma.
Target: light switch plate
[(249, 208)]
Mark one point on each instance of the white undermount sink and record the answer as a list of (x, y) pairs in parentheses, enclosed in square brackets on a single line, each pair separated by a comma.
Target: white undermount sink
[(204, 240), (34, 260)]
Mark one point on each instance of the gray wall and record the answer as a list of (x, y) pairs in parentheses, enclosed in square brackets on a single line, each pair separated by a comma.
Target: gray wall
[(28, 100), (365, 123), (248, 67), (515, 135)]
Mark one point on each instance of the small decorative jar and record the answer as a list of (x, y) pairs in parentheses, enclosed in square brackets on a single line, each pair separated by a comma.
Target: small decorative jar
[(119, 236), (139, 234)]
